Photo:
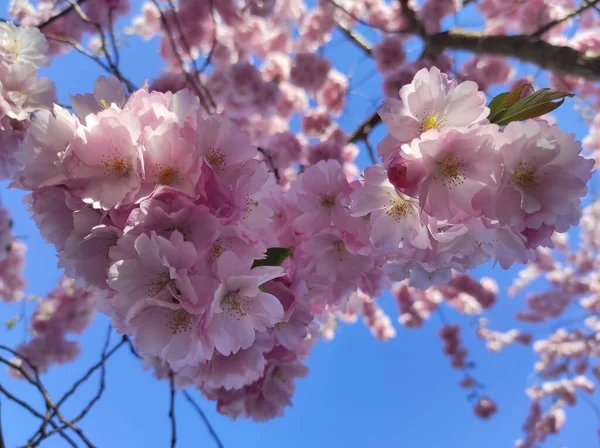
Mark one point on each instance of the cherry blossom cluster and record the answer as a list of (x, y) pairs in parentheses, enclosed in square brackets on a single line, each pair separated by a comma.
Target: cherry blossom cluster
[(164, 212), (22, 51), (455, 191), (67, 309)]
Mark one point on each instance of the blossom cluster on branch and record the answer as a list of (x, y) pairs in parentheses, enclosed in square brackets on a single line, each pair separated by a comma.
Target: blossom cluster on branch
[(218, 217)]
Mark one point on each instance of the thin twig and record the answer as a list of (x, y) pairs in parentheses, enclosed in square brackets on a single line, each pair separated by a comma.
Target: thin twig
[(357, 39), (364, 22), (2, 444), (575, 12), (190, 80), (271, 163), (370, 150), (202, 415), (172, 410), (75, 387), (63, 13), (214, 41), (101, 387)]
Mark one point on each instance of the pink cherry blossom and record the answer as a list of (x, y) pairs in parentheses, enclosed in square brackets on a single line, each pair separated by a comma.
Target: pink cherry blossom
[(239, 308), (432, 101)]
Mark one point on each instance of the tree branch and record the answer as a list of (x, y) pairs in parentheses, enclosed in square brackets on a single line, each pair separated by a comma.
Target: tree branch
[(558, 59), (172, 410), (63, 13), (575, 12), (364, 129), (357, 39), (2, 444), (202, 415)]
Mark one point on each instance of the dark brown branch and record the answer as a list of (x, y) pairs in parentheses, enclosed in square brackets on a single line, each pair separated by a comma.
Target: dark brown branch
[(214, 41), (73, 389), (357, 39), (414, 23), (544, 29), (364, 129), (2, 444), (98, 394), (63, 13), (191, 80), (202, 415), (271, 163), (364, 22), (558, 59), (371, 151), (172, 410)]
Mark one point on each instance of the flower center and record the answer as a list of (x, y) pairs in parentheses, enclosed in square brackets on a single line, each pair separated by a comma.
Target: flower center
[(13, 47), (327, 202), (231, 303), (168, 176), (216, 159), (119, 166), (340, 248), (157, 284), (525, 177), (251, 204), (450, 171), (399, 209), (181, 321), (218, 247), (103, 105), (430, 122)]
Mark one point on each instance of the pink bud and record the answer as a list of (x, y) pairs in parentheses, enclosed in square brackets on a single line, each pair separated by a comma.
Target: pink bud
[(405, 175)]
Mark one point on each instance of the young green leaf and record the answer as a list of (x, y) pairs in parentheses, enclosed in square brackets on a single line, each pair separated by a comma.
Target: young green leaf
[(275, 256), (535, 105), (502, 102)]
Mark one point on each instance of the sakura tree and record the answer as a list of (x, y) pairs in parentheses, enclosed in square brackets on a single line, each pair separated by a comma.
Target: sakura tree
[(220, 214)]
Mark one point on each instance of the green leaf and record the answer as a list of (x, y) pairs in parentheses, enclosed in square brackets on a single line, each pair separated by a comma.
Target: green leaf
[(274, 257), (535, 105), (496, 102), (12, 322), (502, 102)]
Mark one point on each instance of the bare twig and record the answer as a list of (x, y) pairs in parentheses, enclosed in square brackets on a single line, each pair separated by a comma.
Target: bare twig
[(191, 80), (172, 410), (63, 13), (202, 415), (271, 163), (214, 41), (364, 129), (364, 22), (72, 390), (357, 39), (414, 23), (370, 150), (544, 29), (2, 444)]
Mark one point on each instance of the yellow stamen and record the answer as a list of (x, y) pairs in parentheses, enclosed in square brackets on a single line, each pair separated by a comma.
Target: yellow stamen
[(231, 303), (525, 177), (168, 176), (399, 209), (216, 159), (430, 122), (180, 322), (327, 202), (119, 166)]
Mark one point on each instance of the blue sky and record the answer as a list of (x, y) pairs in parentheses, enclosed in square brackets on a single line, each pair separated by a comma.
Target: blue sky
[(359, 393)]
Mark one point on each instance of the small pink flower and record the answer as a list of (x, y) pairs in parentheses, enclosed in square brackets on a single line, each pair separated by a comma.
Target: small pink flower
[(239, 307), (321, 193), (432, 101)]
